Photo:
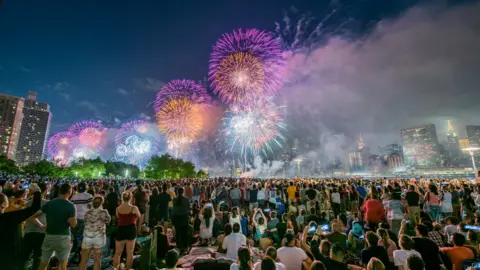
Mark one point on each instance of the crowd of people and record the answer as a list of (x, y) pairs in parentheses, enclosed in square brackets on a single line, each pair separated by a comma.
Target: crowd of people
[(261, 224)]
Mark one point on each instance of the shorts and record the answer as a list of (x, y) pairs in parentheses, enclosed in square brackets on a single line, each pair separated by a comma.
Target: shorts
[(163, 217), (126, 233), (60, 244), (94, 242)]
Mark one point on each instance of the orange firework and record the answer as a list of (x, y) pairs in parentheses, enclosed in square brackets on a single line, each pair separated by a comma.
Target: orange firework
[(180, 120), (243, 75)]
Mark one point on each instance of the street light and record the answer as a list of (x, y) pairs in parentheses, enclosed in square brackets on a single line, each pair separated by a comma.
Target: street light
[(471, 151), (126, 173), (76, 174)]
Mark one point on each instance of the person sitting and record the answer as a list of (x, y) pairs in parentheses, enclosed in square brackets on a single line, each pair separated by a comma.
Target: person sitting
[(233, 242), (406, 248), (244, 261), (171, 260), (375, 264), (458, 253), (206, 223), (415, 263), (270, 254), (291, 256)]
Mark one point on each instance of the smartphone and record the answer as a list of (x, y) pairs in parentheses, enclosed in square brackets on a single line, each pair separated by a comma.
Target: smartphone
[(266, 210), (209, 204), (361, 236), (312, 229), (325, 228), (221, 202), (25, 186)]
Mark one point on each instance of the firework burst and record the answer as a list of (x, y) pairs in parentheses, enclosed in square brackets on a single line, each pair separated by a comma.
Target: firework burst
[(181, 89), (245, 64), (136, 143), (88, 139), (180, 120), (256, 127), (58, 147)]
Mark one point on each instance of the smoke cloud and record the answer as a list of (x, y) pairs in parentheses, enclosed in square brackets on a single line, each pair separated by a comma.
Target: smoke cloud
[(421, 67)]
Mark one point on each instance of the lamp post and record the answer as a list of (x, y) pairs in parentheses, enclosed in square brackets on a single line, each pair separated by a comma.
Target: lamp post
[(126, 173), (471, 151)]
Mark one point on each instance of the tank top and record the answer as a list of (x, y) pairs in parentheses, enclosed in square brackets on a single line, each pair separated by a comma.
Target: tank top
[(433, 199), (127, 219)]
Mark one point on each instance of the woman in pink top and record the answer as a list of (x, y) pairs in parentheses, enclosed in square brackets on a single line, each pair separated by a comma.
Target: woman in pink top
[(432, 202), (390, 246)]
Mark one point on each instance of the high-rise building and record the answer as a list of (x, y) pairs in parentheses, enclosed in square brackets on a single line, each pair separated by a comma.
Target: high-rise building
[(355, 161), (473, 134), (452, 148), (11, 116), (34, 131), (420, 146), (463, 143)]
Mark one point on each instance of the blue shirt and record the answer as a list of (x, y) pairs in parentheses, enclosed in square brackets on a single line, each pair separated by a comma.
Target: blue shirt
[(361, 191)]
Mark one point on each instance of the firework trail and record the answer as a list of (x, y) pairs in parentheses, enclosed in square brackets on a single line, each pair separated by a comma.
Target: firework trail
[(300, 33), (181, 89), (246, 65)]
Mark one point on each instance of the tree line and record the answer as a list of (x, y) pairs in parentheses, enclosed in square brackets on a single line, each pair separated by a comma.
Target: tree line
[(158, 167)]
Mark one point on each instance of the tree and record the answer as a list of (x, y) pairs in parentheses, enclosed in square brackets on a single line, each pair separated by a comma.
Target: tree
[(121, 169), (8, 165), (88, 168), (165, 167)]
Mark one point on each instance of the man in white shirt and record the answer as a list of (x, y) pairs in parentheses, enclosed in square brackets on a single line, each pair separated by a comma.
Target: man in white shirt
[(81, 200), (291, 256), (233, 242), (272, 253)]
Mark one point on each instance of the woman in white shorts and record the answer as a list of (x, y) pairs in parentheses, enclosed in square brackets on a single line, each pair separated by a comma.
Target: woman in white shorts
[(94, 234)]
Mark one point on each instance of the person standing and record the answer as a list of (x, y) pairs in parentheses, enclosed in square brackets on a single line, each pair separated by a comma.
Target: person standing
[(61, 215), (253, 191), (82, 201), (11, 234), (94, 234), (35, 233), (413, 204), (127, 215), (235, 196), (164, 200), (180, 219), (432, 200)]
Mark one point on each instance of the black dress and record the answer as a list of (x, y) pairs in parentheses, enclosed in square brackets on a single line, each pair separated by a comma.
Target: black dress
[(11, 234)]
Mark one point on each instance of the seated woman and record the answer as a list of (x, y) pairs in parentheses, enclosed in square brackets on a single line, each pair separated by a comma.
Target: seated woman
[(207, 216)]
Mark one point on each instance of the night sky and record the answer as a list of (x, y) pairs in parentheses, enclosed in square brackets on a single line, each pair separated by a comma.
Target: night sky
[(107, 59)]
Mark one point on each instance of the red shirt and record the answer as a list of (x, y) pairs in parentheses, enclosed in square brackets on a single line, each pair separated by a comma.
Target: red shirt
[(188, 192), (374, 212)]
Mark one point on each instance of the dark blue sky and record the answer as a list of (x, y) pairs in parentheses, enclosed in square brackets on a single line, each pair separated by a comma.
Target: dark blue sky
[(106, 58)]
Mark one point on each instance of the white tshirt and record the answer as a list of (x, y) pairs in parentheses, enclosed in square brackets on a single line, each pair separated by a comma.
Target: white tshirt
[(81, 201), (232, 243), (278, 266), (400, 257), (292, 257), (336, 197)]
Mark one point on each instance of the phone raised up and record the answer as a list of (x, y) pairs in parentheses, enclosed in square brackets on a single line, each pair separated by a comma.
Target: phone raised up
[(209, 204)]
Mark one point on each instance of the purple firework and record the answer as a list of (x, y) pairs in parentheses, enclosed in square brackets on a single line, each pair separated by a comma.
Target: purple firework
[(58, 145), (132, 127), (245, 65), (177, 89), (77, 128)]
